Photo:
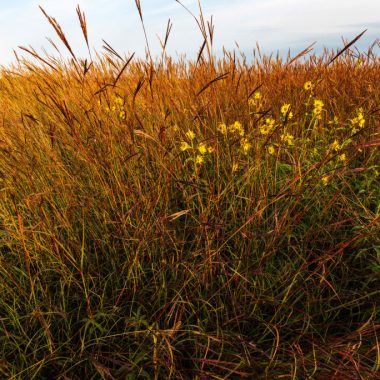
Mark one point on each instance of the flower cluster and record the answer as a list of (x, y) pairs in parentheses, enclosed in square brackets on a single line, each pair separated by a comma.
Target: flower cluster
[(335, 146), (268, 126), (288, 138), (200, 150), (236, 128), (222, 128), (318, 108), (358, 121), (245, 145), (255, 99), (190, 135), (118, 107), (334, 121), (342, 157)]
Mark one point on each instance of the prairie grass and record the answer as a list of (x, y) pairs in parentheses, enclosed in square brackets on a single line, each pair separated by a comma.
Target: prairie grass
[(177, 219)]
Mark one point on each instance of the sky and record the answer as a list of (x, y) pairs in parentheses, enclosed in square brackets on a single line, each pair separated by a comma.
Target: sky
[(277, 25)]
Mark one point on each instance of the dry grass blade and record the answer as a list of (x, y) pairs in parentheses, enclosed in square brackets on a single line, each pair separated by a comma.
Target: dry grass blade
[(138, 6), (83, 25), (302, 53), (86, 66), (52, 43), (218, 78), (111, 50), (254, 90), (138, 88), (194, 17), (167, 34), (178, 214), (16, 56), (33, 53), (123, 68), (137, 132), (199, 57), (103, 88), (211, 29), (373, 111), (346, 47), (368, 144), (53, 22)]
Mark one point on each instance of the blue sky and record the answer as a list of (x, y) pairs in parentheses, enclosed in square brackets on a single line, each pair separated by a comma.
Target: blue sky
[(274, 24)]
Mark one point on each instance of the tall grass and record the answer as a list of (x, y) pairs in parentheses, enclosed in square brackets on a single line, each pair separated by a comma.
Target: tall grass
[(134, 249)]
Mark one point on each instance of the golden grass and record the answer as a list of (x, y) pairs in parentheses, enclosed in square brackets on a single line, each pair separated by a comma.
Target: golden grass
[(189, 219)]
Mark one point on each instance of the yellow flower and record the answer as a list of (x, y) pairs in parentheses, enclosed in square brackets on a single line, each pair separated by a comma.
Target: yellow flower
[(270, 121), (257, 95), (342, 157), (308, 86), (359, 119), (325, 180), (318, 107), (267, 127), (271, 149), (202, 148), (199, 159), (335, 146), (334, 121), (237, 127), (245, 145), (318, 104), (252, 101), (184, 146), (190, 135), (119, 100), (122, 115), (210, 149), (289, 139), (284, 109), (222, 128)]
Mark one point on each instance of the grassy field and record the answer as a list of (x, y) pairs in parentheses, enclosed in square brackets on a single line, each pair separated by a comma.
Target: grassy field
[(178, 219)]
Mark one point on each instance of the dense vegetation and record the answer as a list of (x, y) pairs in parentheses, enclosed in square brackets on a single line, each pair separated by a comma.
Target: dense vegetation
[(181, 219)]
